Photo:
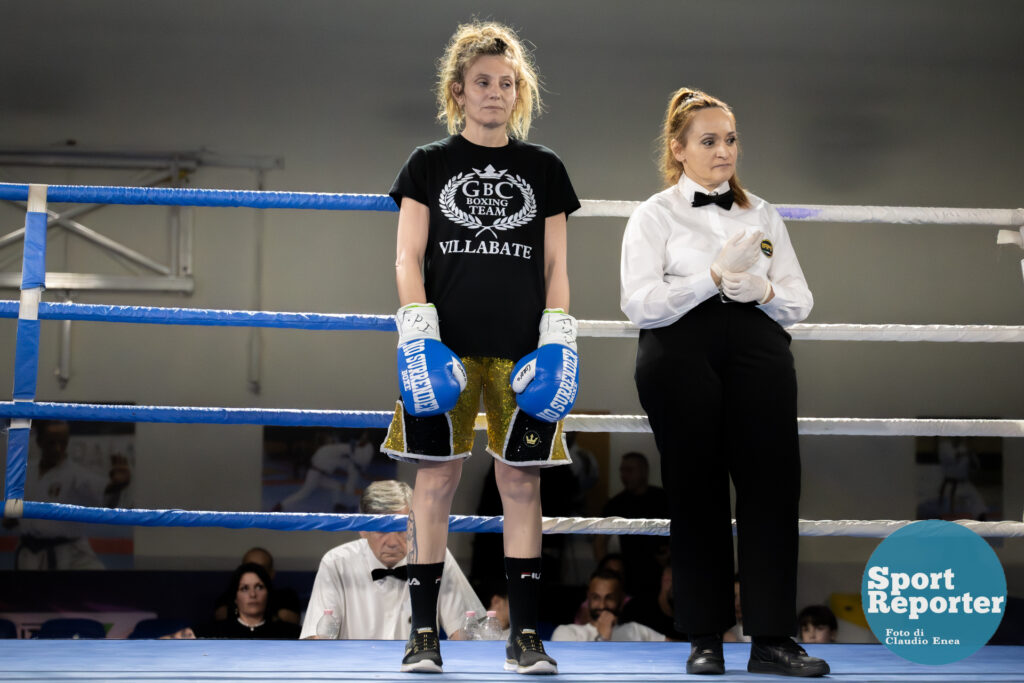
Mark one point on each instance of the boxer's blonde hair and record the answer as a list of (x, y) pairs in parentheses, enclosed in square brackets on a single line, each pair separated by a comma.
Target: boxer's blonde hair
[(479, 39)]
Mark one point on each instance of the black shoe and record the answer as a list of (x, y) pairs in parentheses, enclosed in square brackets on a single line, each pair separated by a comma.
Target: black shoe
[(422, 652), (706, 656), (524, 654), (785, 658)]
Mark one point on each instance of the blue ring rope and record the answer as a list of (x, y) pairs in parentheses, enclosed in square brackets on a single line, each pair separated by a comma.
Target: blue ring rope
[(280, 417), (155, 315), (187, 196), (282, 521)]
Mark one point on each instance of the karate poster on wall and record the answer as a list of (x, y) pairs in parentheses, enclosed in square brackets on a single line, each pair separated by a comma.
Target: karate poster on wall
[(960, 477), (76, 463), (321, 470)]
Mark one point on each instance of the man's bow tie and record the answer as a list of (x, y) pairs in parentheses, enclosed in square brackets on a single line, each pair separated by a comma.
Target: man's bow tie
[(397, 572), (724, 200)]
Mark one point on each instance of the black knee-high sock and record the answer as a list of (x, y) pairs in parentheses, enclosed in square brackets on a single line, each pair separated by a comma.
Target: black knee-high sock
[(424, 586), (523, 592)]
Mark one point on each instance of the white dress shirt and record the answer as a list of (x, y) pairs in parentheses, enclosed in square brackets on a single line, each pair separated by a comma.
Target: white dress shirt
[(630, 631), (669, 246), (379, 610)]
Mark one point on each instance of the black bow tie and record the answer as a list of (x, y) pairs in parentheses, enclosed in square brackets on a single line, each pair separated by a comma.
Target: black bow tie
[(724, 200), (397, 572)]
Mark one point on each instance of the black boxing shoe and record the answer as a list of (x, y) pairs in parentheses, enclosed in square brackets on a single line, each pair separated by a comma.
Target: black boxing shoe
[(524, 654), (783, 657), (706, 656), (422, 652)]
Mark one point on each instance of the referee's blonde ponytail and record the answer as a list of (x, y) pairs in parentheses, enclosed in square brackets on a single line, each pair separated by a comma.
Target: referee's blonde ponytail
[(683, 105)]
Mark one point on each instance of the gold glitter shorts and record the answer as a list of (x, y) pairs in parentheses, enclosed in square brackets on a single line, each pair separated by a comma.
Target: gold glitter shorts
[(512, 436)]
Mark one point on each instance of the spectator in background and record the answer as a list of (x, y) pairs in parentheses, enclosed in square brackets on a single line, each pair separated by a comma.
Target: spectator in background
[(612, 562), (283, 602), (604, 600), (252, 589), (47, 544), (364, 581), (645, 556), (656, 611), (817, 624)]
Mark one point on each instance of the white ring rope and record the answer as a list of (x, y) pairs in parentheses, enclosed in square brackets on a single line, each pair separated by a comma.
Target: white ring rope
[(849, 426), (857, 528), (847, 332), (895, 215)]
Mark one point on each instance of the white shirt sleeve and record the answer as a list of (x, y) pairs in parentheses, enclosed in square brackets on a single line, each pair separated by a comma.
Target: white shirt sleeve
[(649, 296), (328, 593), (793, 299), (635, 631), (575, 632)]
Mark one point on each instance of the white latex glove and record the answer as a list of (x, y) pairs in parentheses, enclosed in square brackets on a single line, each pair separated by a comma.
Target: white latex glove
[(744, 287), (739, 253)]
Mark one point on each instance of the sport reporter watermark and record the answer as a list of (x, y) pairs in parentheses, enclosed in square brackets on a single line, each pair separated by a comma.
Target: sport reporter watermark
[(933, 592)]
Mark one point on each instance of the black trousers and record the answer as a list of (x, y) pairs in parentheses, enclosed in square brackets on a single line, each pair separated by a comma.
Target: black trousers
[(719, 388)]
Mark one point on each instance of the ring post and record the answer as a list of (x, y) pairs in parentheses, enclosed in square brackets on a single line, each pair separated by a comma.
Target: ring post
[(26, 348)]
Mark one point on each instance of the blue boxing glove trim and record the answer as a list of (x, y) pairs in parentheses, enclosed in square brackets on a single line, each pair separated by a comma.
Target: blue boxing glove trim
[(430, 377), (546, 382)]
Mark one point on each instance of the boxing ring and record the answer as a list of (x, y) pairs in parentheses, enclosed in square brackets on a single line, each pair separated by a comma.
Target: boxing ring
[(265, 660)]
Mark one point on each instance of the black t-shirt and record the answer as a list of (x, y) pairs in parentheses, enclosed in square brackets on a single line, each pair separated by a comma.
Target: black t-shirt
[(231, 628), (484, 261)]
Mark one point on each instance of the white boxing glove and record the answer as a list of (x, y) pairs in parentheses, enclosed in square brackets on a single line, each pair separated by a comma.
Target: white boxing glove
[(430, 375), (739, 253), (546, 380), (746, 287)]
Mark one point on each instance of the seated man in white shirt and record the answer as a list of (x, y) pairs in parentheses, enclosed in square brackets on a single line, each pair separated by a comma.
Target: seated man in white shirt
[(364, 581), (604, 600)]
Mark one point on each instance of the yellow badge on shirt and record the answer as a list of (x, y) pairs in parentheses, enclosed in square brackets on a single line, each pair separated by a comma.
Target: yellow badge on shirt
[(766, 248)]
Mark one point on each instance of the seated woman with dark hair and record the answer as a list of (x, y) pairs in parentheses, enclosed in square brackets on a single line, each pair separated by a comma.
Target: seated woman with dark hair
[(251, 586)]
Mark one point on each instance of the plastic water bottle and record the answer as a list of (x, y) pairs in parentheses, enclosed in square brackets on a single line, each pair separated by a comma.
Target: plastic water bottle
[(490, 629), (469, 626), (328, 626)]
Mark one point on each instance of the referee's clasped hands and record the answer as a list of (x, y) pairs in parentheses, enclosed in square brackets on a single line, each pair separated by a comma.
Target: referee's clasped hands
[(739, 253), (746, 287), (729, 269)]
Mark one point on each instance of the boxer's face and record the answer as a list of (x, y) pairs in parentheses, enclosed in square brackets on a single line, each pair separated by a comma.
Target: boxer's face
[(488, 93)]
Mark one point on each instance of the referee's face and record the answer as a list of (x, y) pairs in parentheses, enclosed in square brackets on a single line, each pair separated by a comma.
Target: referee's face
[(709, 153), (388, 547)]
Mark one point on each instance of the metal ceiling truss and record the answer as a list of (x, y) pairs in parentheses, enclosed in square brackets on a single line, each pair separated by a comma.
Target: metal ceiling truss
[(147, 274)]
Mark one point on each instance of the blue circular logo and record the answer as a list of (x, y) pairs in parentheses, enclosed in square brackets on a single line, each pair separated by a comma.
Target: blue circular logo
[(933, 592)]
